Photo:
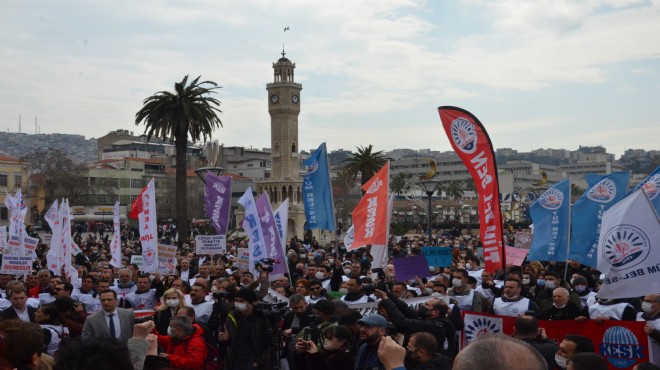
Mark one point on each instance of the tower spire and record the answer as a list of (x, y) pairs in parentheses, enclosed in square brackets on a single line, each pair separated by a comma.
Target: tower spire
[(283, 52)]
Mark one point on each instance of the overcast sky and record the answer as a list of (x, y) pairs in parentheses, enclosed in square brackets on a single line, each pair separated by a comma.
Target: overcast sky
[(538, 74)]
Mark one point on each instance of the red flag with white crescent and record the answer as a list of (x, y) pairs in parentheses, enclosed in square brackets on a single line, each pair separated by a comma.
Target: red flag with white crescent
[(470, 141)]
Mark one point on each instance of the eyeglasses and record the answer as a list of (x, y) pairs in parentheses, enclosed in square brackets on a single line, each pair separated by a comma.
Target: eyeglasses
[(58, 289), (315, 288)]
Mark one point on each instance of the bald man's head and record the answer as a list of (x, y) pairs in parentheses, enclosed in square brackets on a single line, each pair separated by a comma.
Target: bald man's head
[(479, 355)]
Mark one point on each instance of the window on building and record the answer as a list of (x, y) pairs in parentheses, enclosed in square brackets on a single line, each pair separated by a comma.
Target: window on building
[(3, 180), (104, 199), (18, 179), (136, 183), (115, 183)]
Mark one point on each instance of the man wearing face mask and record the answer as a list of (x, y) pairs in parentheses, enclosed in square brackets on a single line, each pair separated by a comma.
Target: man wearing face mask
[(571, 346), (422, 353), (512, 303), (473, 267), (587, 297), (245, 333), (651, 314), (184, 346), (544, 296), (323, 274), (468, 299), (430, 317)]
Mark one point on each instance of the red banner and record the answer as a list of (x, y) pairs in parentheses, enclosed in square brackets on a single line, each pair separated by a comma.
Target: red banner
[(370, 215), (470, 141), (623, 343)]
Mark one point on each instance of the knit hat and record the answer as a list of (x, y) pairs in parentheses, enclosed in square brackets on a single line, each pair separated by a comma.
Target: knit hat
[(579, 280), (247, 294)]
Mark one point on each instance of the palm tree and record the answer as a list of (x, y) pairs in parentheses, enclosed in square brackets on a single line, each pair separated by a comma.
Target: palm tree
[(365, 163), (398, 183), (187, 113)]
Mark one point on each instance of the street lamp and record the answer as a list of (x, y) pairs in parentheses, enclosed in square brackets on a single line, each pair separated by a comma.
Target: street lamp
[(203, 171), (429, 187)]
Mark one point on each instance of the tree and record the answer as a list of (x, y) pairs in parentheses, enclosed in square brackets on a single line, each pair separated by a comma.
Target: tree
[(55, 176), (398, 183), (576, 191), (454, 189), (188, 113), (364, 163)]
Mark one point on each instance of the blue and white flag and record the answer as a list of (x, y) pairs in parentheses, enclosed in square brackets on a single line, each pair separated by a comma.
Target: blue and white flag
[(603, 192), (651, 186), (317, 192), (551, 217), (628, 252), (252, 226)]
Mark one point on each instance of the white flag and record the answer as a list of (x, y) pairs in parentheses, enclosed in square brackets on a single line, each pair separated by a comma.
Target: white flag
[(115, 244), (348, 239), (252, 227), (55, 256), (148, 230), (67, 217), (629, 249), (281, 220)]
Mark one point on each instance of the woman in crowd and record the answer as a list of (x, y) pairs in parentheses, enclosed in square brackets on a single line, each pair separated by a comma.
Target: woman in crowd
[(173, 300), (335, 354), (48, 317)]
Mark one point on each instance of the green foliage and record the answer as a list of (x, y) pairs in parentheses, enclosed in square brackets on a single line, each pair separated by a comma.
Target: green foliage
[(364, 163)]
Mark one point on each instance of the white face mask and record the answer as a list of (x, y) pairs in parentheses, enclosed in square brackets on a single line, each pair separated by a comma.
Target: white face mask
[(550, 284), (331, 261), (647, 307), (525, 281), (561, 361), (429, 291), (436, 295), (241, 306), (320, 275), (169, 331), (343, 290), (347, 271), (580, 288), (468, 266), (457, 283), (214, 288), (171, 303)]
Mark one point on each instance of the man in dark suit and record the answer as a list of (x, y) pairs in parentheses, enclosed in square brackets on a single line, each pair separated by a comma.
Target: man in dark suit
[(109, 322), (19, 308)]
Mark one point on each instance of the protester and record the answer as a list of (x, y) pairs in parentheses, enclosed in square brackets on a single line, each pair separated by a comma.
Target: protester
[(587, 361), (19, 308), (494, 352), (372, 330), (570, 346), (527, 330), (184, 347), (111, 322), (336, 354)]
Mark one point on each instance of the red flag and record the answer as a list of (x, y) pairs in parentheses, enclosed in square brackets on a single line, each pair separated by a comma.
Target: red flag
[(470, 141), (370, 215), (136, 206)]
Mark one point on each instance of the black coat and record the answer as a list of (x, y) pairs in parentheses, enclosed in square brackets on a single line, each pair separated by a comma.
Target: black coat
[(9, 313)]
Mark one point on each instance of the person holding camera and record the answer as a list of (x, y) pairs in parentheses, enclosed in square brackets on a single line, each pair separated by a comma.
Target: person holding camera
[(324, 311), (244, 334), (355, 295), (336, 354)]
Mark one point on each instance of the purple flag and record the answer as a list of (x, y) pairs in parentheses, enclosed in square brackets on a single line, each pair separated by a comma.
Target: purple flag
[(217, 201), (271, 236)]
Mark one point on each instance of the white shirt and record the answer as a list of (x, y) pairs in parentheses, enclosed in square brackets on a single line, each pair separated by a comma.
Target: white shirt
[(203, 311), (115, 319), (23, 315)]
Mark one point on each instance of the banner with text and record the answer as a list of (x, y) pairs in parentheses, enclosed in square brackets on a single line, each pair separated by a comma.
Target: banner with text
[(211, 244)]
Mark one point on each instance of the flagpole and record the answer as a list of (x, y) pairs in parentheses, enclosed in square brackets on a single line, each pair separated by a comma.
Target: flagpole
[(332, 203), (570, 215)]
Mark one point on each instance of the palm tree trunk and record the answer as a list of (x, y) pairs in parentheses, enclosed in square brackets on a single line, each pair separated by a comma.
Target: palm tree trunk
[(180, 191)]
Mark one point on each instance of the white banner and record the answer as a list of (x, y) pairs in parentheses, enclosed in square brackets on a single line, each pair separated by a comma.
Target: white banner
[(210, 244), (628, 249), (167, 259), (148, 230), (348, 239), (242, 258), (281, 216), (252, 227), (3, 238)]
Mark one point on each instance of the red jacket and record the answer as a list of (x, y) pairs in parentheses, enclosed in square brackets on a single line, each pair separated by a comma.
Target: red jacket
[(188, 354), (34, 292)]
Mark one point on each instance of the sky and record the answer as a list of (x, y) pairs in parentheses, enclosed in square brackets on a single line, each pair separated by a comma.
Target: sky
[(538, 74)]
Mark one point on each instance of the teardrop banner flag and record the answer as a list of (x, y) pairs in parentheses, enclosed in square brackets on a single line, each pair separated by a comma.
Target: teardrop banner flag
[(470, 141)]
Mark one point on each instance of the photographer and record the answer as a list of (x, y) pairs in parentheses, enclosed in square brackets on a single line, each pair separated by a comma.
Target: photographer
[(245, 334), (336, 353), (325, 313), (295, 320)]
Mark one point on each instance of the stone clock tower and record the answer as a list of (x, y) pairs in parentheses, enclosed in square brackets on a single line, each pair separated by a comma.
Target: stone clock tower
[(285, 182)]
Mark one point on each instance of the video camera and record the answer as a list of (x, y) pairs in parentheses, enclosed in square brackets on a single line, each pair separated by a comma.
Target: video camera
[(264, 264), (272, 311)]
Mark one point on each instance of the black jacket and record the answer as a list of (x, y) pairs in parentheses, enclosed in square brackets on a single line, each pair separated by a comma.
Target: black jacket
[(570, 312), (439, 362), (409, 323), (9, 313)]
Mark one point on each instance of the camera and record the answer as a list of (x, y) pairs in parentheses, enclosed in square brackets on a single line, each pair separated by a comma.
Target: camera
[(371, 288), (264, 264), (272, 311), (224, 295)]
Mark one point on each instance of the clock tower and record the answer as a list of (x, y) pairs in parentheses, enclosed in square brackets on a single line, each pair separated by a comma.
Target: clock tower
[(285, 181)]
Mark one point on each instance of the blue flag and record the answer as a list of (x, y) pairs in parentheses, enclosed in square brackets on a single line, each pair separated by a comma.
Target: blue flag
[(602, 193), (551, 217), (651, 185), (317, 192)]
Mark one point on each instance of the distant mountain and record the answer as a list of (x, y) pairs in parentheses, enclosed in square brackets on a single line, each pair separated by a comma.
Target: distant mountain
[(78, 148)]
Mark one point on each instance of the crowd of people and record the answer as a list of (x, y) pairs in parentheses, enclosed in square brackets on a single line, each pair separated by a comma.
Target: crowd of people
[(333, 310)]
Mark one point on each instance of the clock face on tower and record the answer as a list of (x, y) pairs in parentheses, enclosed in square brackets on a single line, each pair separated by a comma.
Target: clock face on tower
[(274, 99), (294, 99)]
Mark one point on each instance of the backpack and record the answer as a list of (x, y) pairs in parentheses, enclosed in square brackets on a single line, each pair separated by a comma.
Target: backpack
[(213, 360)]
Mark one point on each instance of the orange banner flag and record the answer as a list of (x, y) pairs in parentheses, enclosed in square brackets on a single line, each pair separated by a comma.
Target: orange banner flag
[(370, 215)]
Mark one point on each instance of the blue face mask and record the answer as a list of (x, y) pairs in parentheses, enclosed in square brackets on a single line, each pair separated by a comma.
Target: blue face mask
[(540, 282)]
